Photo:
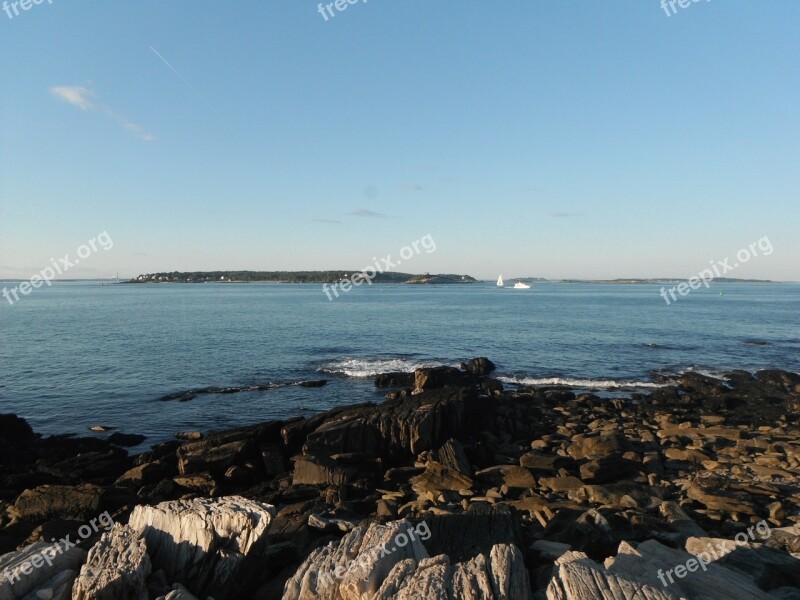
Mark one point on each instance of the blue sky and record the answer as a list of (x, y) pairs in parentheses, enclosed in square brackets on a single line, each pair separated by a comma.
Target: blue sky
[(554, 139)]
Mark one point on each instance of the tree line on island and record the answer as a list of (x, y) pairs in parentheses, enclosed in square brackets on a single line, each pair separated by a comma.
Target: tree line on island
[(293, 277)]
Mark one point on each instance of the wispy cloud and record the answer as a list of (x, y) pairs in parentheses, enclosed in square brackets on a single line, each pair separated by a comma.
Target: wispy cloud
[(415, 187), (363, 212), (325, 221), (84, 99), (75, 95)]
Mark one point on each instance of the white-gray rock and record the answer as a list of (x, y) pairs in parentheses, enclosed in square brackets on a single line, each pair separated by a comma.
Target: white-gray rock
[(370, 564), (117, 568), (206, 543), (25, 571), (641, 573)]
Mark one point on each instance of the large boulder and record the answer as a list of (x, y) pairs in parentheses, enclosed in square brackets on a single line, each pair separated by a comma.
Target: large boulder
[(40, 567), (433, 378), (117, 568), (398, 429), (58, 501), (651, 571), (215, 547), (479, 366)]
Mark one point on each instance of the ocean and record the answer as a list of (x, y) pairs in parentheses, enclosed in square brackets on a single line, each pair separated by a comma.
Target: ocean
[(81, 354)]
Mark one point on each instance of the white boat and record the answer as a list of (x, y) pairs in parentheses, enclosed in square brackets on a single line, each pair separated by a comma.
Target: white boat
[(500, 282), (521, 286)]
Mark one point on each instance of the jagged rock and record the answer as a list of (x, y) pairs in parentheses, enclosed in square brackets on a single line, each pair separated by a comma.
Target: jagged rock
[(767, 567), (433, 378), (491, 387), (210, 545), (451, 454), (39, 567), (206, 455), (711, 492), (385, 380), (439, 477), (398, 429), (117, 568), (371, 563), (321, 470), (595, 445), (145, 474), (608, 468), (479, 366), (202, 483), (58, 501), (638, 573)]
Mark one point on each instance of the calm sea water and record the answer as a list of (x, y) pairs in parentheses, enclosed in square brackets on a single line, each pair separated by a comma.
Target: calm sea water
[(80, 354)]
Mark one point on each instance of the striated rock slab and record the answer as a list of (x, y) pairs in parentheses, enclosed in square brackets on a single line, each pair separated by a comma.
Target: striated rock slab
[(400, 428), (39, 567), (370, 563), (210, 545), (117, 568), (642, 573)]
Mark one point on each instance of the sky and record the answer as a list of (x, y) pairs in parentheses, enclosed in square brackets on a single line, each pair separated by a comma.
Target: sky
[(573, 139)]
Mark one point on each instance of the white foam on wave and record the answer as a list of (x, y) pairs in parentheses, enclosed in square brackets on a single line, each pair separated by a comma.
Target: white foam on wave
[(369, 367), (604, 384)]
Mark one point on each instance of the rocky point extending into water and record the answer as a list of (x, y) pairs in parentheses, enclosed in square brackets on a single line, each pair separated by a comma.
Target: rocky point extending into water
[(452, 488)]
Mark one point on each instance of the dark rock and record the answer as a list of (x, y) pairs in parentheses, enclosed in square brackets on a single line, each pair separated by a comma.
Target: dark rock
[(491, 387), (313, 384), (434, 378), (608, 468), (127, 440), (385, 380), (58, 501), (15, 431), (479, 366), (398, 429)]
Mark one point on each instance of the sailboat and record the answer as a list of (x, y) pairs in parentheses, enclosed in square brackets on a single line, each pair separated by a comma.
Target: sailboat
[(500, 282)]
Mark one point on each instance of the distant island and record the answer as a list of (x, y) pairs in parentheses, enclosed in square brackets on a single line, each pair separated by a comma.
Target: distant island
[(664, 280), (295, 277)]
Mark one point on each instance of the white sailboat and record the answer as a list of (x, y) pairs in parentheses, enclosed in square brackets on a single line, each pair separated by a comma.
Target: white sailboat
[(500, 282)]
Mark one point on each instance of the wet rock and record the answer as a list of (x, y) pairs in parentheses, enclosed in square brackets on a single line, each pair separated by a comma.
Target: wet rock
[(126, 439), (397, 430), (433, 378), (387, 380), (479, 366)]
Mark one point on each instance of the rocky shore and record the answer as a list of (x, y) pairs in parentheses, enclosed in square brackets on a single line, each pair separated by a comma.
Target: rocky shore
[(451, 488)]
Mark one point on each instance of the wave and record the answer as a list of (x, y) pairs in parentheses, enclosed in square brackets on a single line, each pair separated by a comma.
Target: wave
[(369, 367), (605, 384)]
